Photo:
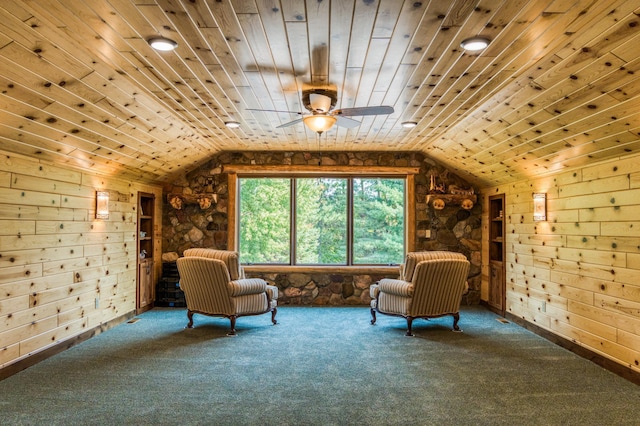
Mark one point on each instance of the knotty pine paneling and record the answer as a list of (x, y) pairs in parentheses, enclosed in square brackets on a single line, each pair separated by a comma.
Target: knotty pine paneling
[(62, 272), (578, 273), (556, 88)]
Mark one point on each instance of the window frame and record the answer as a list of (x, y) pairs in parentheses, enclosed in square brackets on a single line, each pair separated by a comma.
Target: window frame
[(293, 171)]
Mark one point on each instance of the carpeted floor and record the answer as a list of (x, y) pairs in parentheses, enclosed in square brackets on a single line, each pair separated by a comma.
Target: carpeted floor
[(319, 366)]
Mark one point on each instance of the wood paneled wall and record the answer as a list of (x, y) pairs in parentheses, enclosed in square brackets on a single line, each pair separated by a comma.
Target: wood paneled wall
[(577, 274), (63, 272)]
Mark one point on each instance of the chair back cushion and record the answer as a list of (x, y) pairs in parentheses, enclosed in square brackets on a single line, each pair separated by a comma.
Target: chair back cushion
[(413, 258), (205, 283), (230, 258), (438, 286)]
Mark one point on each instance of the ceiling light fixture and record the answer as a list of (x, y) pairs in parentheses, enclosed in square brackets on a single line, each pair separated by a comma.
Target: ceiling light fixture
[(232, 124), (409, 124), (319, 122), (474, 43), (162, 44)]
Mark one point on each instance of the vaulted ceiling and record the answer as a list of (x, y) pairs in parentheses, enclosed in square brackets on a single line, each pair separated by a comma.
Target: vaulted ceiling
[(557, 87)]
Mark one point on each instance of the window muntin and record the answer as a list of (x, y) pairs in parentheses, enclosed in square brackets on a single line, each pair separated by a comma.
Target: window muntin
[(337, 220)]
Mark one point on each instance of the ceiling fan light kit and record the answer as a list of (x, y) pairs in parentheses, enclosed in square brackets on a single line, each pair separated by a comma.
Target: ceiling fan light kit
[(320, 99), (320, 103), (162, 44), (319, 122), (474, 43)]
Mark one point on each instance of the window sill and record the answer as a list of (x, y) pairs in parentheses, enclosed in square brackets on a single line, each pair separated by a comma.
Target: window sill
[(356, 270)]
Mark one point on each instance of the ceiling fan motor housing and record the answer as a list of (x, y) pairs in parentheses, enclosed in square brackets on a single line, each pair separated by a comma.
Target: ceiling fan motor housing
[(324, 102)]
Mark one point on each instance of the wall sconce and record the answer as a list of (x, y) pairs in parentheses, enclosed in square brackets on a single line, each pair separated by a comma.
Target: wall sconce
[(539, 206), (102, 205)]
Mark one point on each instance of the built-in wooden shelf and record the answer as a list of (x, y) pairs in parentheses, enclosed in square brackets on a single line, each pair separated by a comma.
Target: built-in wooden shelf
[(205, 200), (145, 295), (497, 284), (451, 199)]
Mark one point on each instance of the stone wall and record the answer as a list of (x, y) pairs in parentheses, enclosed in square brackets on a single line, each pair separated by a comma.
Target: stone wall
[(452, 228), (322, 289)]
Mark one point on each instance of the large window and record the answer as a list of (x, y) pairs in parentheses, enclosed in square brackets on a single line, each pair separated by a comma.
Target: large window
[(322, 221)]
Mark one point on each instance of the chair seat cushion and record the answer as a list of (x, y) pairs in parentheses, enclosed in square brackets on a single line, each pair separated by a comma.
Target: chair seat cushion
[(394, 304), (248, 304)]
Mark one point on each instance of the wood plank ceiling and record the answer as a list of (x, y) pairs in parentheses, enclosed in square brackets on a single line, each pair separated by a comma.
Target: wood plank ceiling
[(557, 87)]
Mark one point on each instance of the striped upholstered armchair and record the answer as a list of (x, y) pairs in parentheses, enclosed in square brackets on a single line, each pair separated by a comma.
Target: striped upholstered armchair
[(431, 285), (214, 284)]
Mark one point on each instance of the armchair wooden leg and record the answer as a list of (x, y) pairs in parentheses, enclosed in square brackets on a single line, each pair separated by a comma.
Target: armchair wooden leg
[(456, 318), (190, 316), (373, 316), (232, 318), (273, 316), (409, 325)]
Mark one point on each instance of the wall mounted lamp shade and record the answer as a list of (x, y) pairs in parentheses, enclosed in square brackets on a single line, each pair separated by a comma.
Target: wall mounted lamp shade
[(319, 122), (102, 205), (162, 44), (474, 43), (409, 124), (539, 207), (232, 124)]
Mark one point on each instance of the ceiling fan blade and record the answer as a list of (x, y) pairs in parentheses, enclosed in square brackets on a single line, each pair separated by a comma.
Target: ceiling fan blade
[(274, 110), (372, 110), (346, 122), (291, 123)]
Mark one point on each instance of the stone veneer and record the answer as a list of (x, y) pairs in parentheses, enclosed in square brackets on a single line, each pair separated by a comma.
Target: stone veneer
[(451, 228)]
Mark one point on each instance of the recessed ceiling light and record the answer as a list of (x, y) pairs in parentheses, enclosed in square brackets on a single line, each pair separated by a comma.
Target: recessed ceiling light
[(474, 43), (162, 44), (232, 124), (409, 124)]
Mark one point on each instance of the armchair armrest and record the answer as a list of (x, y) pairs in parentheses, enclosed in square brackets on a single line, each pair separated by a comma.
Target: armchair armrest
[(396, 287), (272, 291), (247, 286)]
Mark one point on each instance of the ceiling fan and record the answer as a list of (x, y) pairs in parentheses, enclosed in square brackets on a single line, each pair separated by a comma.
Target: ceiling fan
[(320, 100)]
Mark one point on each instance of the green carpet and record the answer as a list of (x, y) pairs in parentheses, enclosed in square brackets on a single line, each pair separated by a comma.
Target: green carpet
[(319, 366)]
